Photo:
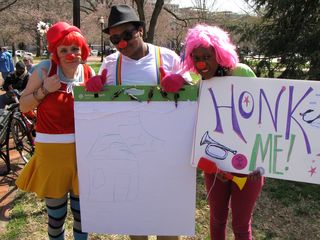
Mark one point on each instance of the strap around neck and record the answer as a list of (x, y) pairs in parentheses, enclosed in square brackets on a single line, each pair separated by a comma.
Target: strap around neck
[(158, 65)]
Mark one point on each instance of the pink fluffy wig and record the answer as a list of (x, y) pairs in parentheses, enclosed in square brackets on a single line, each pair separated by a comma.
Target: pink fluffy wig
[(208, 36)]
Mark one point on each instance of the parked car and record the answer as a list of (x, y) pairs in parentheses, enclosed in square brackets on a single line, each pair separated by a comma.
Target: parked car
[(30, 54), (21, 53)]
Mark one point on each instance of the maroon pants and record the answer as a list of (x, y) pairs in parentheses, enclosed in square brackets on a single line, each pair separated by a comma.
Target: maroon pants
[(241, 202)]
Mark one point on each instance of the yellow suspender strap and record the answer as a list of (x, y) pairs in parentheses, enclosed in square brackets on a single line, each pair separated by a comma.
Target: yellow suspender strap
[(118, 70), (158, 65)]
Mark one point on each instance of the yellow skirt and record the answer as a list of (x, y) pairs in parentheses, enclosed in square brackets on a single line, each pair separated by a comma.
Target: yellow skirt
[(51, 172)]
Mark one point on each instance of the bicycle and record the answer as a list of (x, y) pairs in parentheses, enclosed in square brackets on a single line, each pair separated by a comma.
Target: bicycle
[(15, 129)]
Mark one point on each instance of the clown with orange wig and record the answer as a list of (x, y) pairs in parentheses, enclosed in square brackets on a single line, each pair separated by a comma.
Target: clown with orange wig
[(210, 53), (51, 173)]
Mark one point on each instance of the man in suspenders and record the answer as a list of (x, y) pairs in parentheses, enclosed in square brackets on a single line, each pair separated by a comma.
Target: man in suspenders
[(136, 63)]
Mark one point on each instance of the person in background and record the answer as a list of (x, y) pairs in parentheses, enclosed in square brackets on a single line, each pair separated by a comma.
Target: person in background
[(210, 53), (16, 80), (15, 58), (51, 172), (28, 61), (136, 63), (6, 63)]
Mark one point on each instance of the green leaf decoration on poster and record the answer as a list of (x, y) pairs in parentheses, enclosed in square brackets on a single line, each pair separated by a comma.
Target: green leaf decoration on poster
[(136, 93)]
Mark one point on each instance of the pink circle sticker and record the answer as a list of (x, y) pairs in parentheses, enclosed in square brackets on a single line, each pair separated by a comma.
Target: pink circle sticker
[(239, 161)]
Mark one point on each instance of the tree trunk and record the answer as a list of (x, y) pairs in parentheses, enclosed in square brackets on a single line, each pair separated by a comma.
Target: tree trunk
[(39, 45), (149, 35), (153, 22)]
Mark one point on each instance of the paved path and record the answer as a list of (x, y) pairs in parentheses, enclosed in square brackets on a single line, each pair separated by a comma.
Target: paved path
[(8, 188), (7, 184), (94, 59)]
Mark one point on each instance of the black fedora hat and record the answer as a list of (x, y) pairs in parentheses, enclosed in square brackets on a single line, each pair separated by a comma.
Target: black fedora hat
[(121, 14)]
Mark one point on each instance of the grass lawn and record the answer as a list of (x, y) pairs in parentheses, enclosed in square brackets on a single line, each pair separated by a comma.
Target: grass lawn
[(286, 210), (95, 66)]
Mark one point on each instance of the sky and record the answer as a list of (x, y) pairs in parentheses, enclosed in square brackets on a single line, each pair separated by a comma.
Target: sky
[(220, 5)]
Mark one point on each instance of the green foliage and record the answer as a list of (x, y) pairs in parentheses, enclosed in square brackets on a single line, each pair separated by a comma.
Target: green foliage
[(290, 30), (95, 66), (195, 77)]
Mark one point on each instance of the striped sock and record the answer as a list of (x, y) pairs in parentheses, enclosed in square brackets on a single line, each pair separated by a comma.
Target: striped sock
[(75, 208), (57, 212)]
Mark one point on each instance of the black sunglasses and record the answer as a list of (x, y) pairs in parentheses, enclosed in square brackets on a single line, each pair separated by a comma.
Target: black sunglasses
[(126, 35)]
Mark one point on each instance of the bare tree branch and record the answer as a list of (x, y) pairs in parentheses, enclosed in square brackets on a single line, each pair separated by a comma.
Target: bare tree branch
[(4, 4), (140, 9), (176, 16), (185, 20), (87, 9), (251, 5), (92, 5)]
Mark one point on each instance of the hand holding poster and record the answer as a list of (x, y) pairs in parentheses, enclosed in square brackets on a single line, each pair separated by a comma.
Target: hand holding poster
[(246, 123)]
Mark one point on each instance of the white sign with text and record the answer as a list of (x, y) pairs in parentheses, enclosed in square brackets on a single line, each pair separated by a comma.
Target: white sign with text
[(244, 123)]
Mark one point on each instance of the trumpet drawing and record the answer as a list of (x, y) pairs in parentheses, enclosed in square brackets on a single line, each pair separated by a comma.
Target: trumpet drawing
[(214, 149)]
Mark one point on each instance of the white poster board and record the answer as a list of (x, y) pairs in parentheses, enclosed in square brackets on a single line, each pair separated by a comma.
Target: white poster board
[(245, 123), (134, 167)]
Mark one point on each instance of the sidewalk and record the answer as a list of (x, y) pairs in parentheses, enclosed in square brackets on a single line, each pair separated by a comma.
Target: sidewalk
[(94, 59), (8, 188)]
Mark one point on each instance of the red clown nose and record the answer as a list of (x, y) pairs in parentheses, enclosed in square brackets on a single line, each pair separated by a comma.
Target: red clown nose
[(123, 44), (201, 65), (70, 56)]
